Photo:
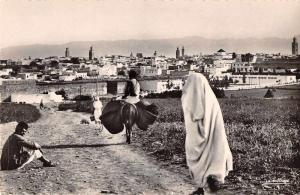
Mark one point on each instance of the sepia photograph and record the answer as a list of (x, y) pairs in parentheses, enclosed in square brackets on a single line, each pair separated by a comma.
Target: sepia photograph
[(150, 97)]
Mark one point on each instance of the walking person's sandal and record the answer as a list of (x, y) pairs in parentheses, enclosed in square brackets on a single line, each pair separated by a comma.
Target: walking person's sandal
[(49, 164), (213, 183), (199, 191)]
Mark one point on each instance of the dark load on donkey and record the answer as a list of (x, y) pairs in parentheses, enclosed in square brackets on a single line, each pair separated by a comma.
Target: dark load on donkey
[(113, 120)]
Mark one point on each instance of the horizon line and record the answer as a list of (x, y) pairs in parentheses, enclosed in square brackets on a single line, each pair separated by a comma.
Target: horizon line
[(145, 39)]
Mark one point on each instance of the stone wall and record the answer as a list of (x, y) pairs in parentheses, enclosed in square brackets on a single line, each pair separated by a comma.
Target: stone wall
[(9, 87), (36, 98), (72, 89)]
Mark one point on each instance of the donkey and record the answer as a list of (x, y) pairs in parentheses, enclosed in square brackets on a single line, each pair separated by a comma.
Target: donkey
[(129, 114)]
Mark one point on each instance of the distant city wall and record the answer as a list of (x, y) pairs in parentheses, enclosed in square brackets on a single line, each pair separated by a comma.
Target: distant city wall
[(72, 89), (8, 87)]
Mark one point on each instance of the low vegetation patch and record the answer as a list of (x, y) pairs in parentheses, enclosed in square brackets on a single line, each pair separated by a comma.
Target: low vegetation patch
[(77, 106), (263, 136), (220, 93), (18, 112)]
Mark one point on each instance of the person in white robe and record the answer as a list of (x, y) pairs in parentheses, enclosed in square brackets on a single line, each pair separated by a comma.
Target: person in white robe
[(207, 150), (97, 104)]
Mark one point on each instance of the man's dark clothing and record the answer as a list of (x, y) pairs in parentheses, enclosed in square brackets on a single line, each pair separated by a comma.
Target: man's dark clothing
[(13, 153)]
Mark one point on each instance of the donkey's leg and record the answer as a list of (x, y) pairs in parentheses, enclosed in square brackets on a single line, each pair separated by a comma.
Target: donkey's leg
[(128, 134)]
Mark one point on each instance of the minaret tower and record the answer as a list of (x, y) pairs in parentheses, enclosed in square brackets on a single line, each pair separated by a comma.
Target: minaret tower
[(91, 53), (295, 46), (177, 53), (67, 52)]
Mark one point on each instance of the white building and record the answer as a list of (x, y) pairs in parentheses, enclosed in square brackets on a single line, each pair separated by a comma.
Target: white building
[(264, 80), (160, 62), (122, 65), (159, 86), (150, 71), (92, 67), (221, 76), (212, 70), (191, 67), (224, 64), (81, 74), (106, 59), (219, 66), (67, 76), (243, 67), (28, 75), (108, 70), (6, 72), (25, 62)]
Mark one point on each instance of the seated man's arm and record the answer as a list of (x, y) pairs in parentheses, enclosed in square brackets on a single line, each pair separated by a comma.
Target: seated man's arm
[(26, 143)]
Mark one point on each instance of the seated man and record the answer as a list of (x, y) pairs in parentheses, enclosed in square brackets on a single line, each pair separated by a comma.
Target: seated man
[(18, 151)]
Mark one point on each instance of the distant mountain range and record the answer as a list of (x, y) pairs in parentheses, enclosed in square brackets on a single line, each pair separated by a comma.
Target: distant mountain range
[(192, 45)]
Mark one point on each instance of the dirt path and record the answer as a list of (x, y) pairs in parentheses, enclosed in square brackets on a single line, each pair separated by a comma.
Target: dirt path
[(89, 162)]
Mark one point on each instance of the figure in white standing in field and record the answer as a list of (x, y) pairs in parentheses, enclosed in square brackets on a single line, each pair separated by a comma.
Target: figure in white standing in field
[(207, 150), (97, 104)]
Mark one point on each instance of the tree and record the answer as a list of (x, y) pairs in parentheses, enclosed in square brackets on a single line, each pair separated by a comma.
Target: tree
[(63, 93), (33, 63), (75, 60), (233, 55), (269, 94), (122, 73), (169, 84), (244, 78), (54, 64), (220, 93)]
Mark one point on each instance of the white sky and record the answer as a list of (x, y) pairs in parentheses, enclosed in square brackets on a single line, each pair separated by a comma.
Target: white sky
[(60, 21)]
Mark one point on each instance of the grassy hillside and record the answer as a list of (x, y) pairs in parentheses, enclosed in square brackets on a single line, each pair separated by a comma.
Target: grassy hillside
[(263, 137)]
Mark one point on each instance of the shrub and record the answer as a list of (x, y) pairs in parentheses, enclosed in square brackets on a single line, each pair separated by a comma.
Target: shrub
[(63, 93), (18, 112), (84, 121), (82, 97), (78, 106), (84, 106), (219, 93), (67, 106), (269, 94), (166, 94)]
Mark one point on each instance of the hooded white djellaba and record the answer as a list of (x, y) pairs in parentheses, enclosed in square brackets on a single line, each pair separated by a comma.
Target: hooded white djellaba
[(207, 149)]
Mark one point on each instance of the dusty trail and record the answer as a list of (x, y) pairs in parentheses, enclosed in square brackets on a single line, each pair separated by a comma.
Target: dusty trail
[(89, 162)]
